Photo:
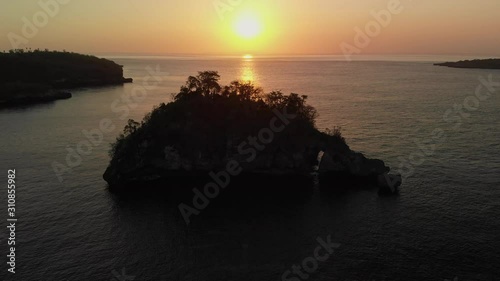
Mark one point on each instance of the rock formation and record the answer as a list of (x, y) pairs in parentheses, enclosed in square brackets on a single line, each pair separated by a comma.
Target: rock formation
[(209, 129)]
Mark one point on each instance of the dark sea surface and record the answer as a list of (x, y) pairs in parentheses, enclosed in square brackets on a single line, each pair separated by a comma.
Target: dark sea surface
[(444, 224)]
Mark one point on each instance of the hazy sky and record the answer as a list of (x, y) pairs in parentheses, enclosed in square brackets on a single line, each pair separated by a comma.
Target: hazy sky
[(283, 27)]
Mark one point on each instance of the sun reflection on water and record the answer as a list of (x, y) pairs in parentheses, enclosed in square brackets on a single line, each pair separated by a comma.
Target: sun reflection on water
[(247, 70)]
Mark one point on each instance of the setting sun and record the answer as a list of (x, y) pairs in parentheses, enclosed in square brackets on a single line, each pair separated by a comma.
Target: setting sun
[(248, 27)]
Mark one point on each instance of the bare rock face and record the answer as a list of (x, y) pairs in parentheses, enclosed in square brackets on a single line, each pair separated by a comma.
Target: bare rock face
[(353, 163), (389, 183), (276, 162)]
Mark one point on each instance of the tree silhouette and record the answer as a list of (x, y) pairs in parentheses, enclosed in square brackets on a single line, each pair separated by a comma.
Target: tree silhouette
[(206, 83)]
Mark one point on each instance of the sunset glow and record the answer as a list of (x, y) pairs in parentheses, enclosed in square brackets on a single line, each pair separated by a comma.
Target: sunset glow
[(257, 27)]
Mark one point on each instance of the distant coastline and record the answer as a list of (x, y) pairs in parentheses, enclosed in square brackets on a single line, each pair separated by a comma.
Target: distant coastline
[(480, 64), (30, 77)]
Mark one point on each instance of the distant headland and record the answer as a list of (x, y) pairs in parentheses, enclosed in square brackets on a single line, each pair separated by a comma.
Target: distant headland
[(235, 130), (482, 64), (28, 77)]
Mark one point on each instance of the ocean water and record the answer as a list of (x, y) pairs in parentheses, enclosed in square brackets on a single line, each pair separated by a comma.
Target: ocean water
[(443, 225)]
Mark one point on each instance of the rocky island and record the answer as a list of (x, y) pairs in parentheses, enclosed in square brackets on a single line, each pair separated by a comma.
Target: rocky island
[(28, 77), (235, 130), (481, 64)]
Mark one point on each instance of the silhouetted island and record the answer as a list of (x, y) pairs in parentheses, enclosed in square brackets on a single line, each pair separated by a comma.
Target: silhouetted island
[(234, 130), (482, 64), (39, 76)]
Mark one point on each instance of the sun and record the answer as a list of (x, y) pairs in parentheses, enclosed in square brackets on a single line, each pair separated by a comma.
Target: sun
[(248, 27)]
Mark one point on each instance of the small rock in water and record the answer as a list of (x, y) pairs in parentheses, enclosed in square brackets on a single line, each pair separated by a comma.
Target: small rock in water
[(389, 183)]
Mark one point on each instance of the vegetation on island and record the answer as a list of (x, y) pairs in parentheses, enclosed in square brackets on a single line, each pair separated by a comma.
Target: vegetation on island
[(30, 76), (205, 116)]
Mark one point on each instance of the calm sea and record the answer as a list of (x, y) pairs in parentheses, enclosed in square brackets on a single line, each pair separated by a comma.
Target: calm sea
[(444, 224)]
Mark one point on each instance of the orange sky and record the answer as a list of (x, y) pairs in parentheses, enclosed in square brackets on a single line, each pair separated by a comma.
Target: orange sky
[(287, 27)]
